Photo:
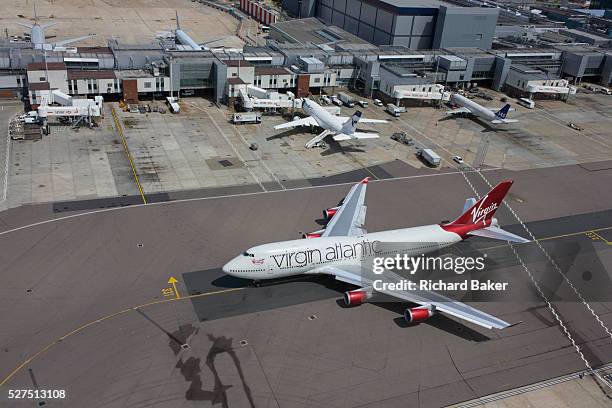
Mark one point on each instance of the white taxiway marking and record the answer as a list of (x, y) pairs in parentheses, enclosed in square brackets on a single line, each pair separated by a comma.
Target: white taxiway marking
[(35, 224)]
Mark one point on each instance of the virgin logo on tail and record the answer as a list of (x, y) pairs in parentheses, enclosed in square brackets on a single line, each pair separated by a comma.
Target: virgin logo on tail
[(480, 214)]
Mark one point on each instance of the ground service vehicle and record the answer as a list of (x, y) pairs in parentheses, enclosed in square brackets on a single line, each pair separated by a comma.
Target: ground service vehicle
[(429, 156), (528, 103), (246, 117), (346, 100), (395, 110)]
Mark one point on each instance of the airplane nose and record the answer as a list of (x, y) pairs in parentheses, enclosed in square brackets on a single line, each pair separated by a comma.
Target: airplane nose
[(227, 268)]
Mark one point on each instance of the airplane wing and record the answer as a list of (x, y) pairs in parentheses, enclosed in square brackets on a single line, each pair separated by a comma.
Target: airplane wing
[(458, 110), (24, 25), (422, 297), (363, 120), (71, 40), (308, 121), (355, 135), (205, 43), (350, 217)]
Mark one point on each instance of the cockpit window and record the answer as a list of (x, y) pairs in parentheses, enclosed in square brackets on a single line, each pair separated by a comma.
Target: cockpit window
[(248, 254)]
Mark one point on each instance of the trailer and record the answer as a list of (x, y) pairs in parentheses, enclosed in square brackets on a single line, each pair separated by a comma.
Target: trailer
[(247, 117), (346, 100), (430, 157)]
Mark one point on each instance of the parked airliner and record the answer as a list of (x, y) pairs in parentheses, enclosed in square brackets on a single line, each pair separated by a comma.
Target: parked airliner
[(344, 246), (39, 39), (340, 127), (467, 106)]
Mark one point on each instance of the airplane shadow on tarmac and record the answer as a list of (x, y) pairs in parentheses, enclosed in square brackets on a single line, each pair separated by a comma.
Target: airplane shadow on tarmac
[(333, 147), (286, 133), (487, 127), (327, 287)]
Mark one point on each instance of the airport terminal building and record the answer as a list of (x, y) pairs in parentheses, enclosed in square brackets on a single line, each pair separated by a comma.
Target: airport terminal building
[(428, 47), (415, 24)]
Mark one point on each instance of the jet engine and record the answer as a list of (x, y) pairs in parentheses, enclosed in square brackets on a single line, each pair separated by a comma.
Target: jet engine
[(330, 212), (418, 314), (356, 297)]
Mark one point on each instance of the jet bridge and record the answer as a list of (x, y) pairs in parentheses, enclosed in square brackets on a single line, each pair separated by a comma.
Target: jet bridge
[(258, 98)]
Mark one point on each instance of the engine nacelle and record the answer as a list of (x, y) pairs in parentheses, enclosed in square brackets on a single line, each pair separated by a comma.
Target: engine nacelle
[(418, 314), (314, 234), (356, 297), (330, 212)]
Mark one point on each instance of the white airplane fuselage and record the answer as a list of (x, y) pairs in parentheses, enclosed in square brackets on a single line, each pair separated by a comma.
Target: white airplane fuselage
[(475, 108), (325, 119), (303, 256)]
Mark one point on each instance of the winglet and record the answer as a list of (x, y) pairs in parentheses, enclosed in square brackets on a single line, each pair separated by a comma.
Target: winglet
[(365, 180)]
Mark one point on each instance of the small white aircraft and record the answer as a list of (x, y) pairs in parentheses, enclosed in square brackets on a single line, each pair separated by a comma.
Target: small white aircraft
[(344, 247), (39, 39), (184, 39), (467, 106), (340, 127)]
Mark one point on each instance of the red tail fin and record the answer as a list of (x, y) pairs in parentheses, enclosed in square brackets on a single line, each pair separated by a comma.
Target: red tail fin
[(482, 211)]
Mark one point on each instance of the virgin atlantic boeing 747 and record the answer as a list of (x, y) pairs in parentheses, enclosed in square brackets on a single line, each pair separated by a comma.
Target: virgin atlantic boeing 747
[(345, 229)]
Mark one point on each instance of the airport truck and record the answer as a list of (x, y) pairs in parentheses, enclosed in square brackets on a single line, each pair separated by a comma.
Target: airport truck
[(395, 110), (429, 156), (346, 100), (246, 117)]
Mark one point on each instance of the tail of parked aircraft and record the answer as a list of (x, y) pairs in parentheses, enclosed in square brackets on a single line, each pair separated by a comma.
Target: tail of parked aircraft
[(503, 112), (178, 26), (477, 218), (350, 125)]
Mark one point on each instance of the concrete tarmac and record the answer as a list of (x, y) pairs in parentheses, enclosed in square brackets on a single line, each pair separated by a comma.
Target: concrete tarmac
[(86, 305)]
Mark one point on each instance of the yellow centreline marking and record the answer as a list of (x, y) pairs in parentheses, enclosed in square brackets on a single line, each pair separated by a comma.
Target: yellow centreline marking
[(173, 282), (129, 155), (104, 318)]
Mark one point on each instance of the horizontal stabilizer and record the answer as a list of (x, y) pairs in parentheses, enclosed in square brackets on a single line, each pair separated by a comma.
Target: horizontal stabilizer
[(24, 25), (367, 120), (494, 232), (503, 121), (498, 109)]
